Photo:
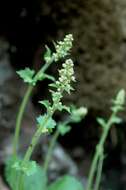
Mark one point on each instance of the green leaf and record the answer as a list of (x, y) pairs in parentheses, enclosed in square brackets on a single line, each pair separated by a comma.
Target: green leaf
[(77, 114), (66, 108), (63, 107), (116, 120), (66, 183), (49, 125), (41, 76), (36, 181), (47, 55), (28, 168), (101, 122), (10, 172), (63, 129), (45, 76), (27, 75), (31, 180), (53, 85), (46, 103)]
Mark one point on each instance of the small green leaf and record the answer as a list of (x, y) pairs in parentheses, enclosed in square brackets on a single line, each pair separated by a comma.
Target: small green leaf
[(27, 75), (63, 129), (45, 76), (41, 76), (101, 122), (53, 85), (46, 103), (47, 55), (77, 114), (66, 108), (63, 107), (116, 120), (49, 125), (66, 183)]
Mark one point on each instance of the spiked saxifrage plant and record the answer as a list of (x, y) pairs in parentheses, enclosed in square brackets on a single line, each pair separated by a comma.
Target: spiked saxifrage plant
[(31, 78), (97, 163), (24, 174)]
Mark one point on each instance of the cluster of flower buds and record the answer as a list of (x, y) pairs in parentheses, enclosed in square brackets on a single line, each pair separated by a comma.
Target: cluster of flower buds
[(119, 101), (66, 76), (63, 47)]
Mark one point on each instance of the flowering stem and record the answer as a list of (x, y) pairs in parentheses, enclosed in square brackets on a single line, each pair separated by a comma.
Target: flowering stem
[(23, 106), (34, 140), (99, 151)]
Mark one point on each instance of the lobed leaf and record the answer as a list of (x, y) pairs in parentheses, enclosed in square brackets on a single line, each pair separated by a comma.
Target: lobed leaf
[(63, 129), (49, 125), (31, 180), (27, 75)]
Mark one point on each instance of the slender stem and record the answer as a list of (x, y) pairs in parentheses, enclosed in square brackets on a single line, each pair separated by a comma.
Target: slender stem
[(44, 68), (23, 105), (92, 171), (98, 152), (19, 118), (32, 145), (34, 140), (99, 172), (50, 150)]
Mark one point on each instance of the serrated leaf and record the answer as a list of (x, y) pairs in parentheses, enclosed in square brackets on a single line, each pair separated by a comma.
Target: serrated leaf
[(66, 183), (35, 180), (63, 107), (101, 121), (27, 75), (66, 108), (46, 103), (63, 129), (27, 168), (49, 125)]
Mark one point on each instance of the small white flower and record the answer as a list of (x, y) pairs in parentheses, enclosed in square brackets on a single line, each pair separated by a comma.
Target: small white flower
[(63, 47)]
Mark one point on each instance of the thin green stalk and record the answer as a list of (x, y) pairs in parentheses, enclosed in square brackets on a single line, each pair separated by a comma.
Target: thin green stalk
[(98, 152), (92, 171), (31, 147), (34, 140), (44, 68), (99, 172), (23, 106), (50, 150), (19, 118)]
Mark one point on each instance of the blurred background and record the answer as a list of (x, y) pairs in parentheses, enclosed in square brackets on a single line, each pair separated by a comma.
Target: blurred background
[(99, 54)]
